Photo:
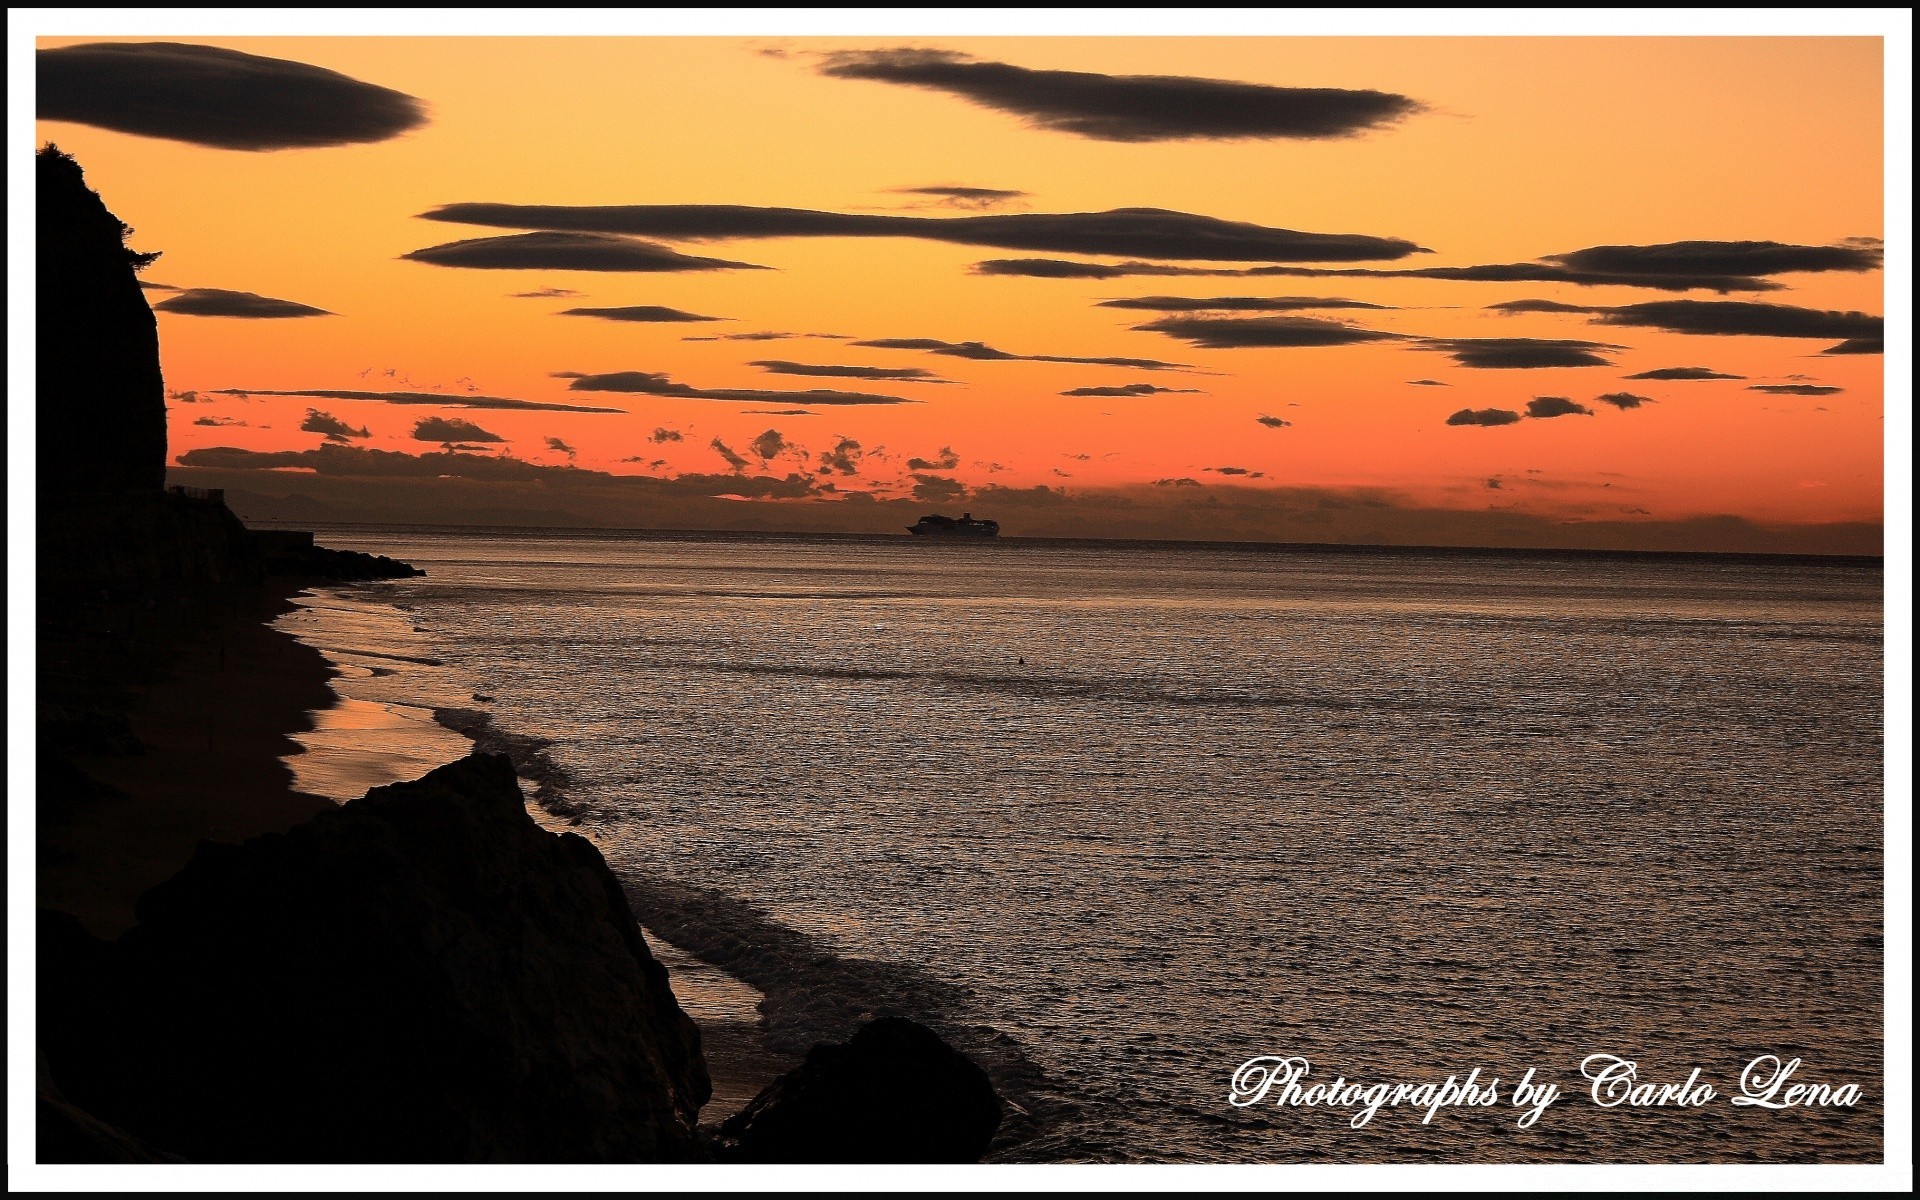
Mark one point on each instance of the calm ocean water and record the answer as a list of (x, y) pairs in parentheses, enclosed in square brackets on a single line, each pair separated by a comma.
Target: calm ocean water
[(1119, 818)]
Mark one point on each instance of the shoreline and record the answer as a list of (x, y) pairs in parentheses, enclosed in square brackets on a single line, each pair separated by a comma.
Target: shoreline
[(740, 1060), (214, 696)]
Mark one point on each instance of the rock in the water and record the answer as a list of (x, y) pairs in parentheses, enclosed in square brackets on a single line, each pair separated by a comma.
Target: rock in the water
[(894, 1093), (423, 975)]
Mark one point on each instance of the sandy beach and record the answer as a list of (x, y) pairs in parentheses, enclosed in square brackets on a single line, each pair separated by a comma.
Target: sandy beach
[(213, 695)]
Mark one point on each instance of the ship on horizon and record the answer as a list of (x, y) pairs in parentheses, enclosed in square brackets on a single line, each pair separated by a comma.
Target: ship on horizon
[(935, 525)]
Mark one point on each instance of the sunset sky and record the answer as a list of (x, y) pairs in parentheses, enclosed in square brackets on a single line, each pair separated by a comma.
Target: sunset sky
[(1261, 403)]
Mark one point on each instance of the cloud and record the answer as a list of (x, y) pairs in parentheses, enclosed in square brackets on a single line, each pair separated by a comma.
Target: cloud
[(981, 352), (215, 97), (1183, 481), (963, 197), (549, 251), (1059, 268), (763, 336), (780, 412), (1148, 232), (362, 465), (1250, 474), (188, 397), (1272, 422), (1130, 389), (1537, 306), (1131, 108), (1521, 353), (1795, 389), (653, 383), (554, 443), (843, 459), (947, 461), (446, 400), (154, 285), (770, 445), (1235, 303), (551, 293), (1675, 267), (1229, 333), (651, 313), (451, 429), (1542, 407), (780, 366), (1721, 258), (1863, 345), (334, 429), (936, 489), (1737, 318), (218, 302), (1684, 374), (1484, 416), (218, 421), (663, 434), (1624, 400), (1427, 383), (734, 459)]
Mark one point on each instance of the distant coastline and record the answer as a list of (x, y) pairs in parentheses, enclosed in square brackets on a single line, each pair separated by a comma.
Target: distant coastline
[(585, 532)]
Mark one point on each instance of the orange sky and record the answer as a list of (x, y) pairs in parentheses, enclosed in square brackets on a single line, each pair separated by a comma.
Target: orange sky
[(1527, 147)]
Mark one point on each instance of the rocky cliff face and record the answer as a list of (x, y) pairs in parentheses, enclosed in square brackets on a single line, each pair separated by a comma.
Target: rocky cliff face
[(101, 405), (106, 522), (424, 975)]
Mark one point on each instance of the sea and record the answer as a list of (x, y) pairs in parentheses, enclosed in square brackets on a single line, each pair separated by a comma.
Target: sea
[(1151, 830)]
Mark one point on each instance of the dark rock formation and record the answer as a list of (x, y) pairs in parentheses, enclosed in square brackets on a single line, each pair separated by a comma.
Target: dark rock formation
[(423, 975), (291, 552), (102, 412), (894, 1093)]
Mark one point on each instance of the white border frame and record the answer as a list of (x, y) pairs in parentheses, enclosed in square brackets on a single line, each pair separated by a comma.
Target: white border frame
[(1895, 25)]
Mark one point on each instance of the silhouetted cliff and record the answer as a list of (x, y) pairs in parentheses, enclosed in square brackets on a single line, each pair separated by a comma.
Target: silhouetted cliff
[(424, 975), (107, 525), (101, 404)]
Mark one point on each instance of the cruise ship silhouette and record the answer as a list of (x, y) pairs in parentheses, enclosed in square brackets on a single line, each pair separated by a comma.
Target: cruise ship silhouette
[(936, 525)]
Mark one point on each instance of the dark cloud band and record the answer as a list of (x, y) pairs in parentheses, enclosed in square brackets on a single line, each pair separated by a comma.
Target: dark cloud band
[(1684, 374), (443, 400), (1131, 108), (550, 251), (215, 97), (1131, 389), (981, 352), (1149, 232), (643, 313), (1179, 304), (652, 383), (218, 302), (780, 366), (1233, 333), (1674, 267), (1521, 353)]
